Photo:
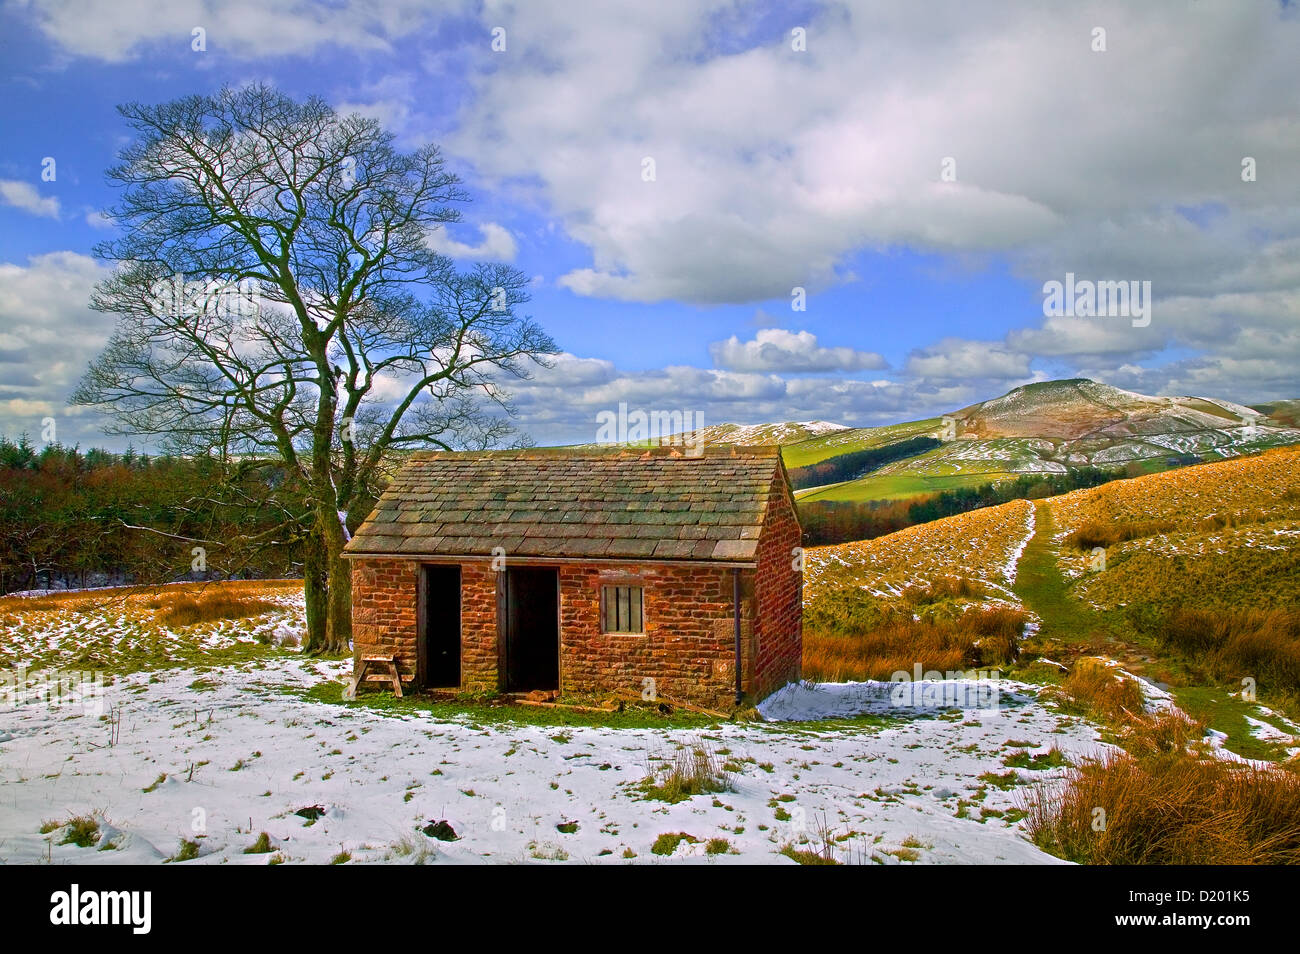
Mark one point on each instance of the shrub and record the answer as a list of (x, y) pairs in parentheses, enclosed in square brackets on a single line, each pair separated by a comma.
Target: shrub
[(1168, 807), (1232, 643), (208, 607), (981, 637), (695, 770), (1101, 691)]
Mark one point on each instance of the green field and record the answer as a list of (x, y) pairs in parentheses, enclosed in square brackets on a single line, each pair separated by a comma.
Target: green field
[(818, 449), (891, 487)]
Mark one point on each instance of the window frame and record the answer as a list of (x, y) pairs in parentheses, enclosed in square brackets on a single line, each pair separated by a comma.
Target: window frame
[(612, 589)]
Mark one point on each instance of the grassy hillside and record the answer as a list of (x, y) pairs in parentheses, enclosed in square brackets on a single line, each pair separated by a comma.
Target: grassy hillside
[(1052, 427), (1189, 579)]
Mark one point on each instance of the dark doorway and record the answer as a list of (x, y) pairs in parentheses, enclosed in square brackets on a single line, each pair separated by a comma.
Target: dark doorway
[(441, 624), (532, 629)]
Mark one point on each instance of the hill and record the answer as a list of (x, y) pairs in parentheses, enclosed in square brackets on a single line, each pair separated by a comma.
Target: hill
[(1051, 427), (1188, 578)]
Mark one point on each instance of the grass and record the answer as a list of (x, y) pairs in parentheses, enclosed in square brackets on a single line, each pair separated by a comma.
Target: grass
[(485, 708), (82, 831), (976, 546), (978, 638), (893, 486), (207, 607), (1218, 709), (1234, 644), (806, 856), (1099, 691), (122, 630), (694, 770), (667, 843), (1042, 761), (1168, 802), (260, 847), (1043, 589), (188, 851), (817, 449)]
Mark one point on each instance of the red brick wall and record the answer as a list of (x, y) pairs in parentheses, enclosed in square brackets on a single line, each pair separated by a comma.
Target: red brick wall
[(688, 648), (384, 601), (383, 610), (478, 627), (779, 590)]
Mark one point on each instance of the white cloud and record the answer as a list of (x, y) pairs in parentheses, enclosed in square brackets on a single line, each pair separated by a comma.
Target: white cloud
[(496, 244), (773, 167), (25, 196), (48, 336), (242, 28), (960, 358), (775, 349)]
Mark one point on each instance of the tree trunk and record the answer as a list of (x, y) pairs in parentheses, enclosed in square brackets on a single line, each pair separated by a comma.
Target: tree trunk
[(315, 571), (337, 572), (340, 605)]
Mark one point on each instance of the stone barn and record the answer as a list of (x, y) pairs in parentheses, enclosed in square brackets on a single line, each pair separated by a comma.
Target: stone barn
[(585, 571)]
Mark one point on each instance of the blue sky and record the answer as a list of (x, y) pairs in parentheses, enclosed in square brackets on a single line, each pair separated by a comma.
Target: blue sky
[(776, 167)]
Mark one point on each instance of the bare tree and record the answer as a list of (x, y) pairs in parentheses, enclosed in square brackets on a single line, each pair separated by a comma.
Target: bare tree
[(279, 301)]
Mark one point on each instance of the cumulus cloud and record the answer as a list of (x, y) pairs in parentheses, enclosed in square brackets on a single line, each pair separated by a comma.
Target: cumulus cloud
[(961, 358), (495, 244), (25, 196), (560, 404), (47, 338), (243, 28), (772, 166), (774, 349)]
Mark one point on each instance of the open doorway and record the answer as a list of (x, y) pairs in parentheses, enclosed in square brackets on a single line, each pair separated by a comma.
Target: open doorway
[(532, 629), (440, 625)]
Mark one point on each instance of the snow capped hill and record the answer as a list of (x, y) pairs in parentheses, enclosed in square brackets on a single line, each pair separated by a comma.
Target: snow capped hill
[(1080, 408), (788, 432)]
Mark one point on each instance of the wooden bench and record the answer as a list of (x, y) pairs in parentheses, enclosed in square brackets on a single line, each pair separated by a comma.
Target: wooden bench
[(385, 670)]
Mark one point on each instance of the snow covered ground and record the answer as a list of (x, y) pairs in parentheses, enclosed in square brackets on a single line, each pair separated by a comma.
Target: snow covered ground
[(219, 757)]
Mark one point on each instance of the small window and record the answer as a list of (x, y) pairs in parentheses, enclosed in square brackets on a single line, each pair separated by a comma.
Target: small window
[(621, 609)]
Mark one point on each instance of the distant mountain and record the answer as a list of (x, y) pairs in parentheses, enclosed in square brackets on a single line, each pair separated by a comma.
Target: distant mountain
[(1083, 410), (789, 432), (1050, 427), (748, 435), (1283, 412)]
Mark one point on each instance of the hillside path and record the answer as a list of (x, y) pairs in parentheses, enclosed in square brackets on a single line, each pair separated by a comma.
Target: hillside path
[(1042, 586)]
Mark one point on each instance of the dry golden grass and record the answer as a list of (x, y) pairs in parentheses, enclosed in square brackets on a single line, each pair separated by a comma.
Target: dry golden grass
[(144, 598), (186, 611), (1235, 643), (979, 638), (1265, 485), (1101, 691), (1243, 567), (1213, 535), (978, 547), (143, 627), (1168, 803)]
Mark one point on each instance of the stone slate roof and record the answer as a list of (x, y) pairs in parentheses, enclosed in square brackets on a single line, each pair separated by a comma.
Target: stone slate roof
[(607, 503)]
